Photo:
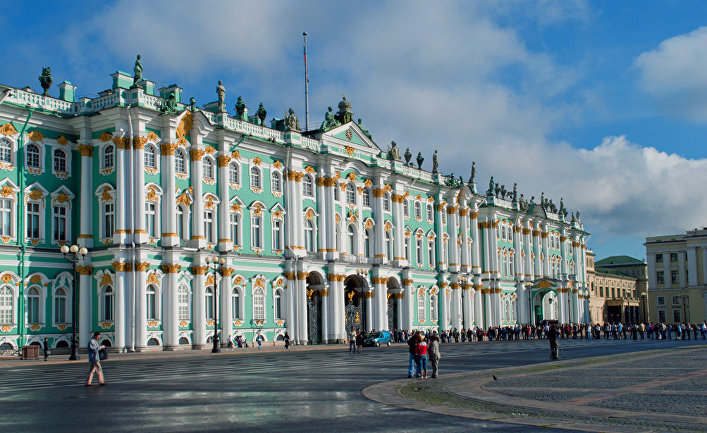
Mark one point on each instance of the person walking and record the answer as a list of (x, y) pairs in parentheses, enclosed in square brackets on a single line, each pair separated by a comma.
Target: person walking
[(260, 339), (287, 340), (412, 370), (359, 341), (552, 337), (45, 346), (94, 360), (229, 345), (352, 341), (434, 355)]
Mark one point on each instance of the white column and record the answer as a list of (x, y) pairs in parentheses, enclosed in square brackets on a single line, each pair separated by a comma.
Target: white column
[(303, 328), (478, 299), (475, 244), (464, 227), (140, 304), (290, 319), (456, 303), (141, 235), (452, 247), (120, 310), (225, 243), (85, 237), (198, 238), (325, 221), (536, 250), (198, 310), (379, 229), (546, 253), (329, 183), (334, 325), (467, 306), (324, 293), (442, 303), (408, 300), (226, 317), (84, 303), (692, 266), (169, 198), (399, 223), (170, 316), (122, 146), (368, 296)]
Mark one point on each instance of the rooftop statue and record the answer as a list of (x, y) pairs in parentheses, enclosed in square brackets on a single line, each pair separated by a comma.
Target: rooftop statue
[(577, 216), (408, 156), (170, 105), (192, 104), (364, 130), (137, 71), (393, 152), (330, 121), (46, 80), (262, 114), (291, 121), (473, 172), (460, 182), (345, 115), (491, 189), (420, 160), (435, 163), (515, 192), (221, 93), (240, 109), (532, 199)]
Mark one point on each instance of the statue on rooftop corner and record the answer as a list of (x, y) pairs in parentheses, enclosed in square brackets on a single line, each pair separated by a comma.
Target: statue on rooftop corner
[(137, 71), (170, 105), (291, 121), (435, 162), (408, 156), (330, 121), (192, 104), (473, 173), (491, 189), (240, 109), (393, 152), (515, 191), (364, 130), (420, 160), (46, 80), (344, 115), (221, 93), (261, 114)]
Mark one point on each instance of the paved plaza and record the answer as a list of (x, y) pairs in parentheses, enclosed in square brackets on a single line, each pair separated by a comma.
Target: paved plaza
[(319, 389)]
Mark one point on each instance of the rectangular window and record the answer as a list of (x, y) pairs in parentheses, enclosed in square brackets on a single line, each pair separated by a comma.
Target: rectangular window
[(209, 226), (673, 257), (60, 309), (33, 220), (5, 217), (406, 208), (109, 217), (661, 315), (677, 316), (675, 300), (659, 258), (255, 232), (674, 276), (59, 223), (235, 228), (659, 277), (407, 248), (276, 235), (150, 222)]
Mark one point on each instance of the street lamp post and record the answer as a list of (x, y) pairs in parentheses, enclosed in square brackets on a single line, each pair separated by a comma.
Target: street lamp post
[(215, 263), (74, 254)]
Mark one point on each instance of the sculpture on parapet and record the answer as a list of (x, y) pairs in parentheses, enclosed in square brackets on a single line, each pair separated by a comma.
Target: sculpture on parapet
[(408, 156), (364, 130), (435, 162), (393, 152), (330, 121), (420, 160), (170, 104), (221, 93), (291, 121), (344, 115), (473, 173), (261, 114), (240, 109), (45, 80), (515, 192), (137, 71), (492, 187), (192, 104)]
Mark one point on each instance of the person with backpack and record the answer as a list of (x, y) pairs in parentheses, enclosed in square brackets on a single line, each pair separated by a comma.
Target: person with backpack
[(94, 360)]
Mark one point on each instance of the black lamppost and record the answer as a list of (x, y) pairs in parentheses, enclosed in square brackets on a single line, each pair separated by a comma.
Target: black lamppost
[(214, 263), (74, 254)]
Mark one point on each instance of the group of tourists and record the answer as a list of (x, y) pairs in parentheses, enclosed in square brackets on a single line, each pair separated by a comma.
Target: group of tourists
[(423, 347)]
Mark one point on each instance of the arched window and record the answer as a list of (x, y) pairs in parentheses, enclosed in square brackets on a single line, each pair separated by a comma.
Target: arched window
[(368, 243), (418, 210), (151, 303), (430, 212), (389, 245), (234, 173), (386, 202), (259, 304), (208, 169), (107, 309), (59, 161), (278, 304), (150, 157), (255, 177), (350, 193), (33, 306), (33, 155), (6, 306), (108, 156), (209, 303), (236, 304), (5, 150), (183, 303), (366, 197), (276, 181), (309, 236), (180, 165), (308, 186), (421, 306), (433, 307), (60, 305), (351, 239)]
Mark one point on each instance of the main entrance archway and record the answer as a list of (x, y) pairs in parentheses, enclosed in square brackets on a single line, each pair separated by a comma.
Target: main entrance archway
[(354, 303), (546, 306), (315, 283), (395, 299)]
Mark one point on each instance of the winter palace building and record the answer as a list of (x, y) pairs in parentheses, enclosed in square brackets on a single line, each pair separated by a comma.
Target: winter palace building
[(319, 230)]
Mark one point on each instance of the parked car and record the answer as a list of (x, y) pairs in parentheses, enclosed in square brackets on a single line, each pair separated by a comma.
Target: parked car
[(377, 338)]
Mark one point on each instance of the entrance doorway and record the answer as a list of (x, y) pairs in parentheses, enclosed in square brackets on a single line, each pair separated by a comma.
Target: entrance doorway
[(315, 283), (354, 304), (545, 306), (394, 299)]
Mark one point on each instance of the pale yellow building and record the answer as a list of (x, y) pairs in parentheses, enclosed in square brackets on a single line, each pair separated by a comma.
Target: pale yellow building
[(616, 285), (677, 266)]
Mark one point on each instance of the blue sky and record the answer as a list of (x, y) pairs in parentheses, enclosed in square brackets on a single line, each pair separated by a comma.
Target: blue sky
[(602, 103)]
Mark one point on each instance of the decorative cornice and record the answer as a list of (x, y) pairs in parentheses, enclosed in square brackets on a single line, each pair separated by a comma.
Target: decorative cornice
[(198, 270), (301, 275), (122, 142), (168, 148), (171, 269), (84, 270), (196, 154), (85, 150), (141, 266), (223, 160), (379, 280), (122, 266)]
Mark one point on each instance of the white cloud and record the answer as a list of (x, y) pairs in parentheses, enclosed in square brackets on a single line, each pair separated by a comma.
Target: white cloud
[(431, 77), (674, 75)]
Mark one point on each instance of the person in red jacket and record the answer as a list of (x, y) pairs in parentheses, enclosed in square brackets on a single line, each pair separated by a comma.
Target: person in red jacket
[(421, 356)]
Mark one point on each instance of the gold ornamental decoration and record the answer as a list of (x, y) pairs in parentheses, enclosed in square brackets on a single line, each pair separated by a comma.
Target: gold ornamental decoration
[(196, 154), (277, 164), (36, 194), (106, 279), (141, 266), (105, 136), (85, 149), (167, 148), (223, 160), (139, 142), (8, 129), (35, 136), (257, 161), (6, 191), (185, 124), (349, 150), (62, 140), (122, 142), (84, 270), (210, 150)]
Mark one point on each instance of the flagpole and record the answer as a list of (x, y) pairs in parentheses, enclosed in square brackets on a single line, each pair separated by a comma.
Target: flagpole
[(306, 85)]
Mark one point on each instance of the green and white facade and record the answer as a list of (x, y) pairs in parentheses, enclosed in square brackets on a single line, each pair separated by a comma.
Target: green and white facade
[(320, 230)]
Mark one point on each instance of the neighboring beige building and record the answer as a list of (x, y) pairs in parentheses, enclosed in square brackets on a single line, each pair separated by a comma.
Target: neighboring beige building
[(616, 284), (677, 266)]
